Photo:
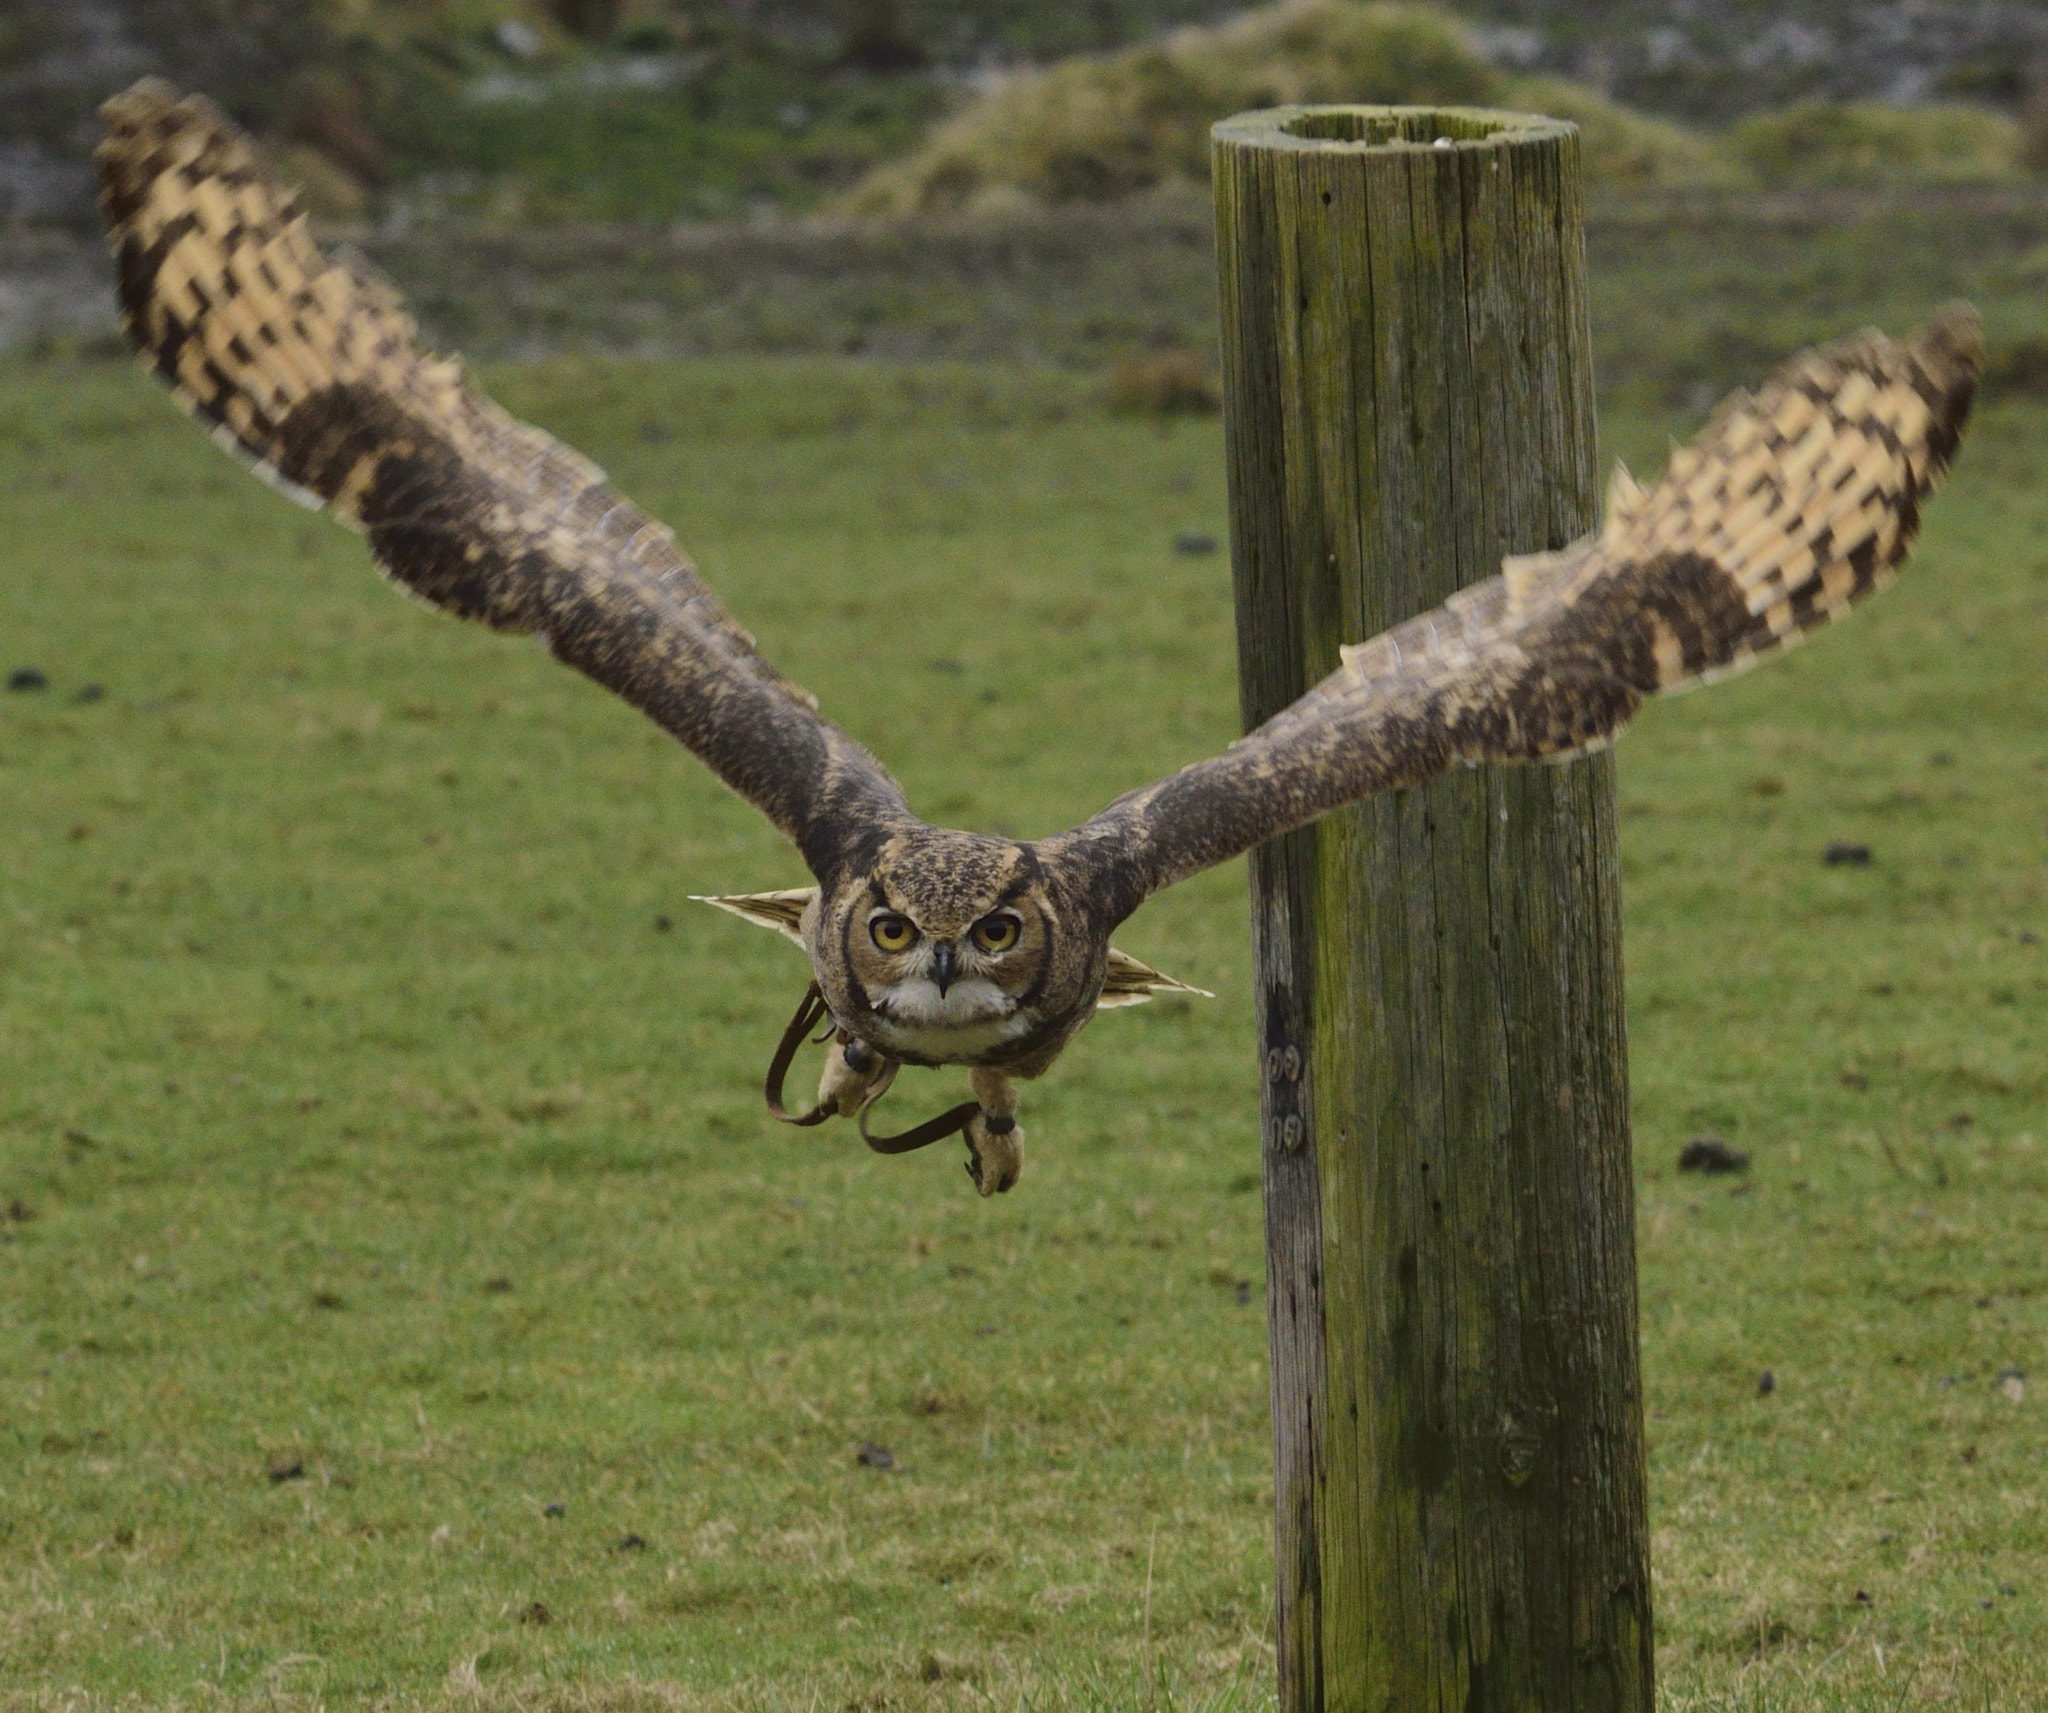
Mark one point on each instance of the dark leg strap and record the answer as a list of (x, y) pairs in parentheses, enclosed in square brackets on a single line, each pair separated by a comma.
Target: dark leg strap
[(808, 1015), (952, 1122)]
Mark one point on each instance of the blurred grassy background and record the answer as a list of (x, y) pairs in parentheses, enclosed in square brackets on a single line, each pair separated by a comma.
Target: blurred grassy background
[(650, 111), (383, 1163), (380, 1158), (1693, 293), (657, 181)]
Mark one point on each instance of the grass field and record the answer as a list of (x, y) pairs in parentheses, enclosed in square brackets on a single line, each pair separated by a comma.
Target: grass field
[(1691, 295), (382, 1159)]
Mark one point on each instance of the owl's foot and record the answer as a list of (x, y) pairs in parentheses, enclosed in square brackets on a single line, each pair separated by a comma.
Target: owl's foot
[(995, 1153), (995, 1141), (855, 1076)]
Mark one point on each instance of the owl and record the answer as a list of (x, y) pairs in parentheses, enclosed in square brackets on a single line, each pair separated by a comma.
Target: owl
[(929, 946)]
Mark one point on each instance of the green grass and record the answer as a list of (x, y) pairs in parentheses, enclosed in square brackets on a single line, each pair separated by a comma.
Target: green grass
[(1691, 295), (758, 129), (377, 1106)]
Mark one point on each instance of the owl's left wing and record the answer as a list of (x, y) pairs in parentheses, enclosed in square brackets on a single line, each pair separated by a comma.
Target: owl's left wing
[(307, 367), (1790, 505)]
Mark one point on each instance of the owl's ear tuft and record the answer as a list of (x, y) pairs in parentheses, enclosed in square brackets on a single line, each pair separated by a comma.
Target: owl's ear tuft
[(1130, 982), (782, 911)]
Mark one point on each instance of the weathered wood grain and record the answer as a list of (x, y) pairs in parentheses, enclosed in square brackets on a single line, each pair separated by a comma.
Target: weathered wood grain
[(1459, 1478)]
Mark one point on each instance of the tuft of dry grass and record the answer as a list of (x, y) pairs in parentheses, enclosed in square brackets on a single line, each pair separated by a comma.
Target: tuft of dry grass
[(1097, 128), (1100, 127), (1164, 383), (1625, 150), (1820, 144)]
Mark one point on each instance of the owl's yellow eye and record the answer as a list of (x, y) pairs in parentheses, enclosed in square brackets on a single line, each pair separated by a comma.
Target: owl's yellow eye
[(892, 933), (997, 933)]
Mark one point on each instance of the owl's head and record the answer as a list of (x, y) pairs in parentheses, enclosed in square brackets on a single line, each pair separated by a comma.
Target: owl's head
[(954, 948), (947, 949)]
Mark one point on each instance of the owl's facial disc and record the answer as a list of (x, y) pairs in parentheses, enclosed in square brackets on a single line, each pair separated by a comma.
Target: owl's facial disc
[(946, 981), (932, 978), (943, 952)]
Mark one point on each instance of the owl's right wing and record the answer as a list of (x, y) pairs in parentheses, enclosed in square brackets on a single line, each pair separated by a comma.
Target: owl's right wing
[(1790, 505), (307, 367)]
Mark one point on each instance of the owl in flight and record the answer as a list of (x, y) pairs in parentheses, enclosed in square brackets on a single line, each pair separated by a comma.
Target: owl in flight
[(929, 946)]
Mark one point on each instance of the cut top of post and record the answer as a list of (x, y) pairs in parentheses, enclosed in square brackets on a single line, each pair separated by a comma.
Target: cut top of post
[(1403, 293), (1352, 130)]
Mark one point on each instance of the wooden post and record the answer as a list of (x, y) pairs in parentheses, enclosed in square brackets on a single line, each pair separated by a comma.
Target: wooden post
[(1457, 1408)]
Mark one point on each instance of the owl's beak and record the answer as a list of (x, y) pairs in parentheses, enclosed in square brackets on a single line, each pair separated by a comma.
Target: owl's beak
[(943, 967)]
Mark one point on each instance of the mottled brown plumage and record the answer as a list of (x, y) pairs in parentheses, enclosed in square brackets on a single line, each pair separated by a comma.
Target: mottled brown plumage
[(307, 367), (1791, 505), (931, 946)]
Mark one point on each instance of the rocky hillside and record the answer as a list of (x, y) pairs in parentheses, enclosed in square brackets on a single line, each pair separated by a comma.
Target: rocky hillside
[(1710, 60), (650, 111)]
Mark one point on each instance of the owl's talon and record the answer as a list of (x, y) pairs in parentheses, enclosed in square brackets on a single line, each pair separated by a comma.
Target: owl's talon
[(995, 1152), (995, 1143), (855, 1076)]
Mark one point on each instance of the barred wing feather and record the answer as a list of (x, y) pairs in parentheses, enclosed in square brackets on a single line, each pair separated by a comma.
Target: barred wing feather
[(307, 367), (1790, 506)]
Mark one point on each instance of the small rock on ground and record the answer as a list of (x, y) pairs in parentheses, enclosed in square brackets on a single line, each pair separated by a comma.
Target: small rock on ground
[(1711, 1154)]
